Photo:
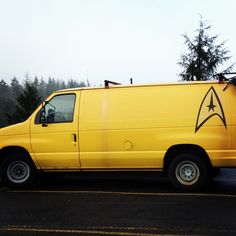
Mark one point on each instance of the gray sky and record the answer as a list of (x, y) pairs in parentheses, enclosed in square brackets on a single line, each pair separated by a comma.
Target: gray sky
[(105, 39)]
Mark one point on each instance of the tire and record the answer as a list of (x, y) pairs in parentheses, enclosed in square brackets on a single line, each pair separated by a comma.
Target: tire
[(17, 171), (188, 171), (214, 173)]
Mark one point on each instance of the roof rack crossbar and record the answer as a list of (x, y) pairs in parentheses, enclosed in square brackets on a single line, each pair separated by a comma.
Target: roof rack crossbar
[(227, 73), (221, 76), (107, 82)]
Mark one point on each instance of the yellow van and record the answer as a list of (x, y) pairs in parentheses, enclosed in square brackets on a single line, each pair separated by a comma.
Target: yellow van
[(186, 129)]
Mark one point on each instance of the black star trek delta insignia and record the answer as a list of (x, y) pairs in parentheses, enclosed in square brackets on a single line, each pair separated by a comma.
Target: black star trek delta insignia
[(210, 106)]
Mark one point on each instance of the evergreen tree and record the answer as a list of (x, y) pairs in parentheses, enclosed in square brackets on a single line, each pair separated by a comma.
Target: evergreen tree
[(88, 84), (15, 91), (42, 89), (51, 86), (16, 88), (71, 83), (5, 102), (82, 84), (17, 102), (74, 84), (27, 102), (62, 85), (204, 55), (36, 82)]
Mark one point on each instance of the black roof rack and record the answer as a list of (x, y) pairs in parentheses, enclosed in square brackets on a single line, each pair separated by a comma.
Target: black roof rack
[(222, 78), (107, 82)]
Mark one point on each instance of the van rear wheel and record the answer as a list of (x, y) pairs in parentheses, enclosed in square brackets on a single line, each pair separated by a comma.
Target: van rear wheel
[(188, 171), (214, 172), (17, 171)]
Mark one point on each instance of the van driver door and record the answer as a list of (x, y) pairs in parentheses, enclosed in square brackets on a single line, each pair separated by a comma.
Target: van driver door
[(55, 142)]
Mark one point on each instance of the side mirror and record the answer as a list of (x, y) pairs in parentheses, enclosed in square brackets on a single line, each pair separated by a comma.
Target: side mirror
[(43, 119)]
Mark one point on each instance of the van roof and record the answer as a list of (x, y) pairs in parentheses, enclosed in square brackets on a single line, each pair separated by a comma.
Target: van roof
[(139, 85)]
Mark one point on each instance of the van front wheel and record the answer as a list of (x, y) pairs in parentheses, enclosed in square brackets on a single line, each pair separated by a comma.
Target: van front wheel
[(17, 171), (188, 172)]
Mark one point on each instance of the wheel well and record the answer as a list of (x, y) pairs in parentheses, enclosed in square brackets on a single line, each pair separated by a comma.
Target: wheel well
[(189, 148), (6, 151)]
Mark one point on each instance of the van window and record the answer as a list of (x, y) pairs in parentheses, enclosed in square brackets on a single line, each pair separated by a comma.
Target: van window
[(59, 109)]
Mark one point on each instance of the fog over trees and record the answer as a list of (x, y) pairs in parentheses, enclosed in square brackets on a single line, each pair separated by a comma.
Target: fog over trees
[(19, 100)]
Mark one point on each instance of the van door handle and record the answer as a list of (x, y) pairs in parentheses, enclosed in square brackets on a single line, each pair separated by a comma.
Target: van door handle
[(75, 138)]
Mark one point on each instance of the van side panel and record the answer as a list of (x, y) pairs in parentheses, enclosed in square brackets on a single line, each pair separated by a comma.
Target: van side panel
[(134, 127)]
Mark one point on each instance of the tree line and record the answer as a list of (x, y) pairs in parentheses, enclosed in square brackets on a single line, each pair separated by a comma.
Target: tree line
[(200, 62), (19, 100)]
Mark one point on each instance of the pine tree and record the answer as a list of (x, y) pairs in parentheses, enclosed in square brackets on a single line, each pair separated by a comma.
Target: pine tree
[(42, 89), (62, 85), (5, 102), (204, 55), (36, 82), (15, 91), (17, 102), (27, 102), (88, 84), (16, 88)]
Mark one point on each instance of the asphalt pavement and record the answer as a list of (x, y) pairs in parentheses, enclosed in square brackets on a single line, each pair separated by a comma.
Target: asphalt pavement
[(119, 204)]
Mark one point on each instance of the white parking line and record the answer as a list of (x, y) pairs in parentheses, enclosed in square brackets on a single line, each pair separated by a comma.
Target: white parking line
[(109, 230), (97, 231), (124, 193)]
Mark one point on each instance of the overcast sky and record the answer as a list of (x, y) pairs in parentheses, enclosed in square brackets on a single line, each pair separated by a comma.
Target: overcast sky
[(105, 39)]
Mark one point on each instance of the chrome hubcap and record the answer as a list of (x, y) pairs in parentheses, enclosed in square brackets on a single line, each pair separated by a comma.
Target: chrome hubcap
[(18, 172), (187, 172)]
